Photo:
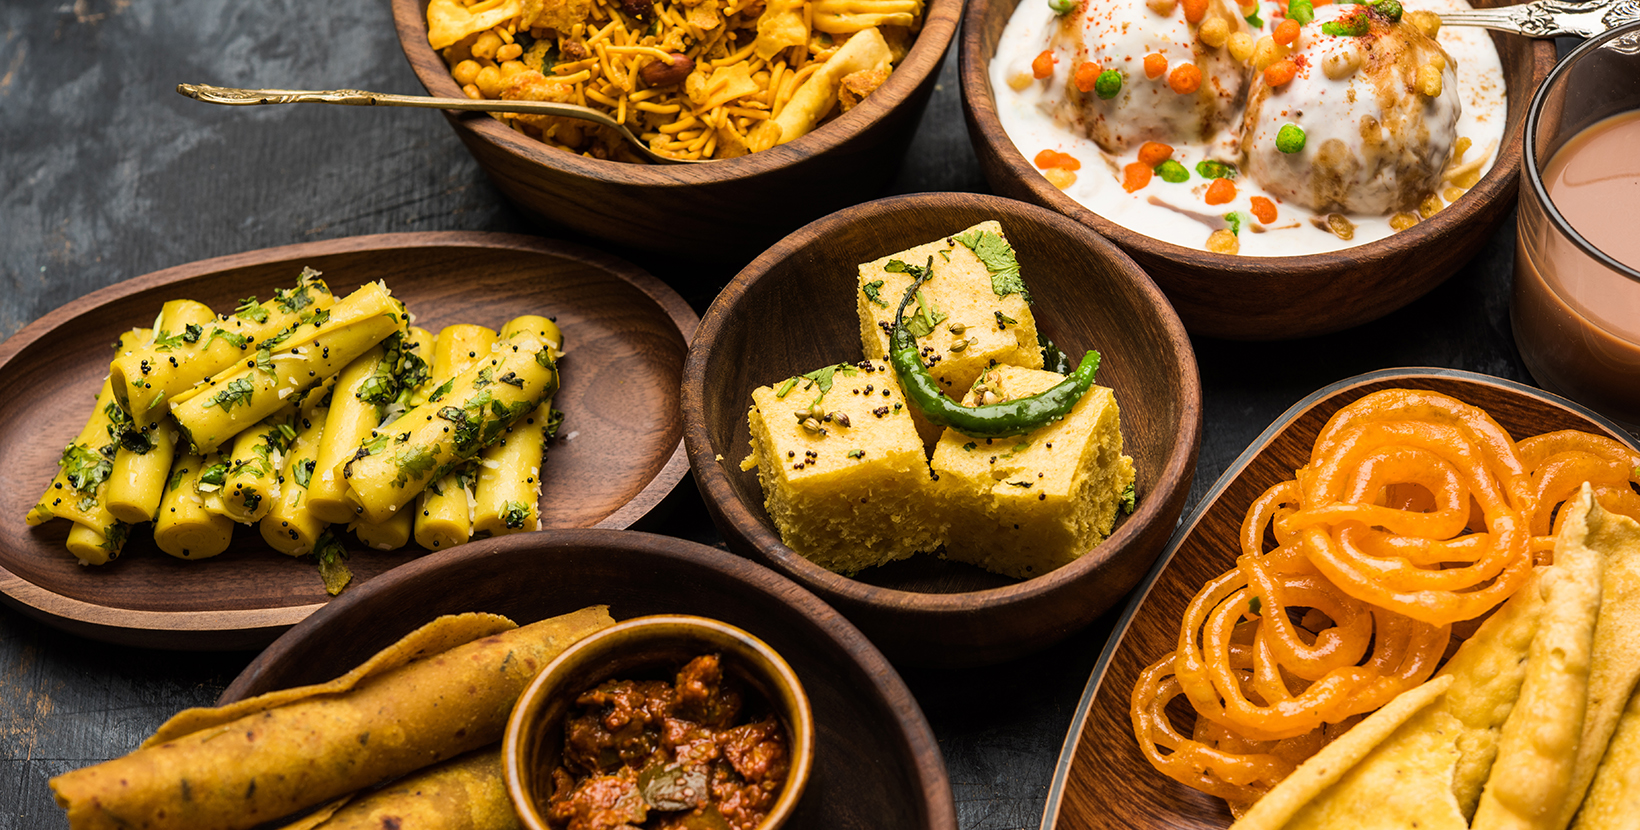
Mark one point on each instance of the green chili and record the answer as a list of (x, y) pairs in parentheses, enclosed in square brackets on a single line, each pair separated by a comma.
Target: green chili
[(1015, 417)]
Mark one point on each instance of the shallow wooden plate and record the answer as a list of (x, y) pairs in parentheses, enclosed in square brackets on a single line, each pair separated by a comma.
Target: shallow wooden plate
[(1102, 781), (876, 763), (792, 309), (620, 452)]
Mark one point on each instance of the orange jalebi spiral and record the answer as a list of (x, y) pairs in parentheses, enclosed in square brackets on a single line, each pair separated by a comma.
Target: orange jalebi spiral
[(1416, 511)]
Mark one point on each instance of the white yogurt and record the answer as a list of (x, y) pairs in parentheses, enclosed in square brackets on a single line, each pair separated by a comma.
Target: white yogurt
[(1178, 213)]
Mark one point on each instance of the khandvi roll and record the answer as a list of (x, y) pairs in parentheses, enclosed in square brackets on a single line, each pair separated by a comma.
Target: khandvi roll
[(290, 527), (237, 766), (444, 518), (410, 377), (184, 355), (508, 493), (428, 442), (220, 408), (96, 547), (138, 477), (251, 484), (78, 490), (185, 528)]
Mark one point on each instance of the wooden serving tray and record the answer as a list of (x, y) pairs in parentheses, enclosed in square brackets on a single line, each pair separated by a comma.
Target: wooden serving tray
[(620, 450), (1102, 780)]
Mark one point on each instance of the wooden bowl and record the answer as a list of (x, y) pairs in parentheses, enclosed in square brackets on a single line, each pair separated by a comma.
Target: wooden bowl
[(625, 333), (726, 210), (1102, 780), (792, 310), (876, 764), (1271, 298), (652, 648)]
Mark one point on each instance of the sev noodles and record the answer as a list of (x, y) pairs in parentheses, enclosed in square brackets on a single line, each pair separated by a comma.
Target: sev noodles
[(694, 79), (1416, 513)]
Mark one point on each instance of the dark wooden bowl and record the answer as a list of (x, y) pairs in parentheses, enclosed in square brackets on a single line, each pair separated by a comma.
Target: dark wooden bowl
[(1271, 298), (876, 764), (1102, 780), (792, 309), (621, 452), (727, 210)]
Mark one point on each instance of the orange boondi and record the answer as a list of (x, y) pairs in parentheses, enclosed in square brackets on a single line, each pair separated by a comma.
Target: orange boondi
[(1154, 153), (1135, 176), (1185, 79), (1415, 511), (1053, 158), (1286, 33), (1194, 10), (1087, 75), (1264, 210), (1155, 65), (1221, 192), (1280, 73), (1042, 67)]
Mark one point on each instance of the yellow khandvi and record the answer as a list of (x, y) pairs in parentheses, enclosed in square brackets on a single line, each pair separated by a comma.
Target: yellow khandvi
[(251, 485), (230, 402), (138, 478), (348, 423), (290, 527), (508, 494), (97, 547), (411, 377), (428, 442), (444, 518), (148, 379), (185, 529), (79, 490)]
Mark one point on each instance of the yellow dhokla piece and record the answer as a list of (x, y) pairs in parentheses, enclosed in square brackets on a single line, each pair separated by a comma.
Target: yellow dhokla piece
[(843, 472), (1026, 505), (979, 329)]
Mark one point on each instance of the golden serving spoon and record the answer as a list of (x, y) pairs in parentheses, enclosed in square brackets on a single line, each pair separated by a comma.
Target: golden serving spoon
[(360, 98), (1550, 18)]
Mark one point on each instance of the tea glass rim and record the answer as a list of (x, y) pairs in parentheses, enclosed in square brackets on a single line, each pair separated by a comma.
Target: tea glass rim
[(1529, 165)]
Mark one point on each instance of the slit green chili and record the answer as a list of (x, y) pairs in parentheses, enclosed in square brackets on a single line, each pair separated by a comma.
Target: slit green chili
[(998, 420)]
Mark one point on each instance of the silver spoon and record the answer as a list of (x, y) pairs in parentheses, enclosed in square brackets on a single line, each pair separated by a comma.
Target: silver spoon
[(1550, 18), (360, 98)]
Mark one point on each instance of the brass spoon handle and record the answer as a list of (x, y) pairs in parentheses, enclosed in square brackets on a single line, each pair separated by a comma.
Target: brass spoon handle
[(361, 98), (1550, 18)]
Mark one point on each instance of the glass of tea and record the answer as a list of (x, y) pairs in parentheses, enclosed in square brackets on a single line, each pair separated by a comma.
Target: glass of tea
[(1576, 303)]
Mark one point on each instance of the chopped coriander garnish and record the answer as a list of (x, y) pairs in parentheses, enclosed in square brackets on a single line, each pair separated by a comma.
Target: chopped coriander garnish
[(414, 463), (515, 514), (333, 568), (302, 471), (250, 309), (926, 319), (555, 422), (237, 391), (1129, 499), (873, 292), (856, 453), (1301, 11), (998, 257)]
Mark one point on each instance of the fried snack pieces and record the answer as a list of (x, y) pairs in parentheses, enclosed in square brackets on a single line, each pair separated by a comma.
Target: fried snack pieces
[(419, 702)]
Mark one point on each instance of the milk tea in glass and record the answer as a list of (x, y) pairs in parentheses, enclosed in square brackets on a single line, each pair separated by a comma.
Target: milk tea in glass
[(1576, 303)]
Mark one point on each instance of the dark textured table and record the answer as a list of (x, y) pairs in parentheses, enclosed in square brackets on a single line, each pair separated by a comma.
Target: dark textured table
[(106, 174)]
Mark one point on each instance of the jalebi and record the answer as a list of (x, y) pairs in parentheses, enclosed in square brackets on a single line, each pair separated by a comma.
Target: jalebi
[(1416, 511)]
